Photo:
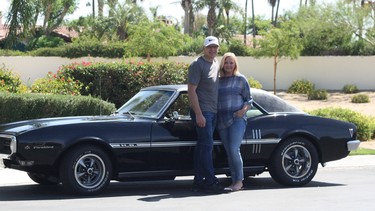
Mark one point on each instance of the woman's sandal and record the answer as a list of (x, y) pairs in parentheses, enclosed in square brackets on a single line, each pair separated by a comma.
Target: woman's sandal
[(233, 189)]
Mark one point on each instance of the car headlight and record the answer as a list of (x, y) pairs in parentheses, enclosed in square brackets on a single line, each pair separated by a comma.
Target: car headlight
[(8, 144), (13, 145)]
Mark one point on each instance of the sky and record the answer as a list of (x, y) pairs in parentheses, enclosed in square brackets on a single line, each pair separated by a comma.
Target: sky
[(173, 8)]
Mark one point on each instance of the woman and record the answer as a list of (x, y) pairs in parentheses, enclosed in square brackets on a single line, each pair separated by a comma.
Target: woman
[(233, 102)]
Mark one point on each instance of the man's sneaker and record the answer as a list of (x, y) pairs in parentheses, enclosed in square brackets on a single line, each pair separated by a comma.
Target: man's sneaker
[(197, 187), (214, 188)]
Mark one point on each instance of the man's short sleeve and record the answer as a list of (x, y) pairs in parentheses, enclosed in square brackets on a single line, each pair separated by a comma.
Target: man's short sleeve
[(194, 75)]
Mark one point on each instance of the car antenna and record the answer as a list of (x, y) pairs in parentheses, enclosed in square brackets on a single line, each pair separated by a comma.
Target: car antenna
[(100, 92)]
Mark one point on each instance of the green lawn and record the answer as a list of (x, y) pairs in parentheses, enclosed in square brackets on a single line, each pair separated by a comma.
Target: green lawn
[(363, 151)]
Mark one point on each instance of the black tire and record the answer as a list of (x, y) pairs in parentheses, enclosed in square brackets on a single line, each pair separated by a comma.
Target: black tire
[(85, 170), (294, 162), (43, 179)]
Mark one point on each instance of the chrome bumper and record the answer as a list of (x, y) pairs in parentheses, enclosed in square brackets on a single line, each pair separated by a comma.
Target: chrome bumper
[(353, 145)]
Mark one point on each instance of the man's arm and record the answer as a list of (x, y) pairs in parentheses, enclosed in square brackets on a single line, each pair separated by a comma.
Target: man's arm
[(194, 103)]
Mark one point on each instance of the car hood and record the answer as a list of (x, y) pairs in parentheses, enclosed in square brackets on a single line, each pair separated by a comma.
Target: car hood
[(27, 125)]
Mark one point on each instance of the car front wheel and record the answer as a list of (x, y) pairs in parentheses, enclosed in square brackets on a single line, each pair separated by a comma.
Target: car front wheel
[(85, 170), (294, 163)]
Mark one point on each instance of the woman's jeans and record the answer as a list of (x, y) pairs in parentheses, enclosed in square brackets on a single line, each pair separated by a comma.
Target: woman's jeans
[(232, 138), (203, 163)]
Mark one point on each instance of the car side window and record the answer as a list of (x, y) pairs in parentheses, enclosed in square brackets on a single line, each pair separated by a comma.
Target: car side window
[(181, 106), (253, 112)]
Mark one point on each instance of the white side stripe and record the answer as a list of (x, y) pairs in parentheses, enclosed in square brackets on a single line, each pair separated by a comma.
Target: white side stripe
[(257, 134)]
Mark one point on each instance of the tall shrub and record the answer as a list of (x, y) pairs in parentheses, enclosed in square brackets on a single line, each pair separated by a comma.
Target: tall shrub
[(364, 124), (56, 84), (9, 82), (118, 81)]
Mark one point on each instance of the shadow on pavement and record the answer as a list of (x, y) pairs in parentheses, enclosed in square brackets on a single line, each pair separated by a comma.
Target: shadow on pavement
[(146, 191)]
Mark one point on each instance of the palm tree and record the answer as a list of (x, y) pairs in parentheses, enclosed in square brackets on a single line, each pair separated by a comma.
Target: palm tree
[(277, 12), (273, 4), (19, 18), (154, 12), (227, 6), (112, 5), (253, 22), (245, 25), (125, 14), (100, 7), (187, 6), (211, 16), (312, 2), (23, 17), (253, 18), (54, 13)]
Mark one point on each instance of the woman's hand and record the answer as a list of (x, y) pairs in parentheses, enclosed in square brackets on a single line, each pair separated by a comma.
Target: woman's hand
[(241, 113)]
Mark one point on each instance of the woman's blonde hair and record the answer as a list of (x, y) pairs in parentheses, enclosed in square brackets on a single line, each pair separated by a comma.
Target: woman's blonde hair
[(236, 70)]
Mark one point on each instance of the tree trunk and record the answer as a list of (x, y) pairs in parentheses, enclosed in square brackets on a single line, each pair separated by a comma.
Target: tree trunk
[(191, 20), (187, 7), (211, 17), (277, 11), (254, 32), (100, 8), (274, 73), (245, 25)]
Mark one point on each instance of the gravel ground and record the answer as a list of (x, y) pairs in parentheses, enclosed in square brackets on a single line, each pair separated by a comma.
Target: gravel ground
[(334, 99)]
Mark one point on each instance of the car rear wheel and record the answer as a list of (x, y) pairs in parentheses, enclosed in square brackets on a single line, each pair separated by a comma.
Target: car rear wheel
[(294, 163), (85, 170), (43, 179)]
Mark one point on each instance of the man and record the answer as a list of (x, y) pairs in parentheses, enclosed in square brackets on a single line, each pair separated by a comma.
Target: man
[(203, 95)]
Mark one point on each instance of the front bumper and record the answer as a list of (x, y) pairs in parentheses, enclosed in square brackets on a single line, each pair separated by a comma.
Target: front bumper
[(353, 145)]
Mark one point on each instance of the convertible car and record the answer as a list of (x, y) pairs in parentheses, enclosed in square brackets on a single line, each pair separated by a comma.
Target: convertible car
[(152, 137)]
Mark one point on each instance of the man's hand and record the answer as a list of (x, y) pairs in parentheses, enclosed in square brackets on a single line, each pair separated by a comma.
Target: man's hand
[(201, 121)]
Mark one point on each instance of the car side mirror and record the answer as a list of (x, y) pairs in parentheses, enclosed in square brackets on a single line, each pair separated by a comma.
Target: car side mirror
[(175, 115)]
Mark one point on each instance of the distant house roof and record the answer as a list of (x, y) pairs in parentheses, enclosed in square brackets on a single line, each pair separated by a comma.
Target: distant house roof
[(3, 31), (249, 38), (63, 32), (66, 33)]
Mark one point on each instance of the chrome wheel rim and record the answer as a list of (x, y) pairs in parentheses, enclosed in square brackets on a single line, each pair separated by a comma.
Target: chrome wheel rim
[(296, 161), (89, 171)]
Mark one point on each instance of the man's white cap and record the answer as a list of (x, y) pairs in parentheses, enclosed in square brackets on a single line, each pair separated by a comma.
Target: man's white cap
[(211, 40)]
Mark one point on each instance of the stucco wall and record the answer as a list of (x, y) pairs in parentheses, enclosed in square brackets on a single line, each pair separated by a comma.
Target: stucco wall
[(330, 73)]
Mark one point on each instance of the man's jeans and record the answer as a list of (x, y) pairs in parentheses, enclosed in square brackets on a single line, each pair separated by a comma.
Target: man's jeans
[(232, 138), (203, 164)]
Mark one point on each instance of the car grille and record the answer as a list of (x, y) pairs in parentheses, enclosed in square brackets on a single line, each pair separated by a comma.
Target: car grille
[(5, 142)]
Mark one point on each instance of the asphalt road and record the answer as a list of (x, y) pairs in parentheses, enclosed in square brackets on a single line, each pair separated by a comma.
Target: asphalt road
[(347, 184)]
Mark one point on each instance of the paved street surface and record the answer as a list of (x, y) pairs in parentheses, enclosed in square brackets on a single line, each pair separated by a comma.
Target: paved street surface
[(347, 184)]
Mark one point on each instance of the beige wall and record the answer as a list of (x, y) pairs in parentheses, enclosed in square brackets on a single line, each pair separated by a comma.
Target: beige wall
[(330, 73)]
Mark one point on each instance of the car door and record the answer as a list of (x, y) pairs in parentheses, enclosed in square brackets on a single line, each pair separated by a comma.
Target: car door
[(174, 137), (131, 145)]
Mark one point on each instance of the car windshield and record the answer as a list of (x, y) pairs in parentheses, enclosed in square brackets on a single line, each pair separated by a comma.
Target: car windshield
[(148, 103)]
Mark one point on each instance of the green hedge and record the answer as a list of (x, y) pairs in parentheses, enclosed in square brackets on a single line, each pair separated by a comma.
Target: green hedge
[(95, 49), (57, 51), (117, 82), (15, 107), (77, 50)]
